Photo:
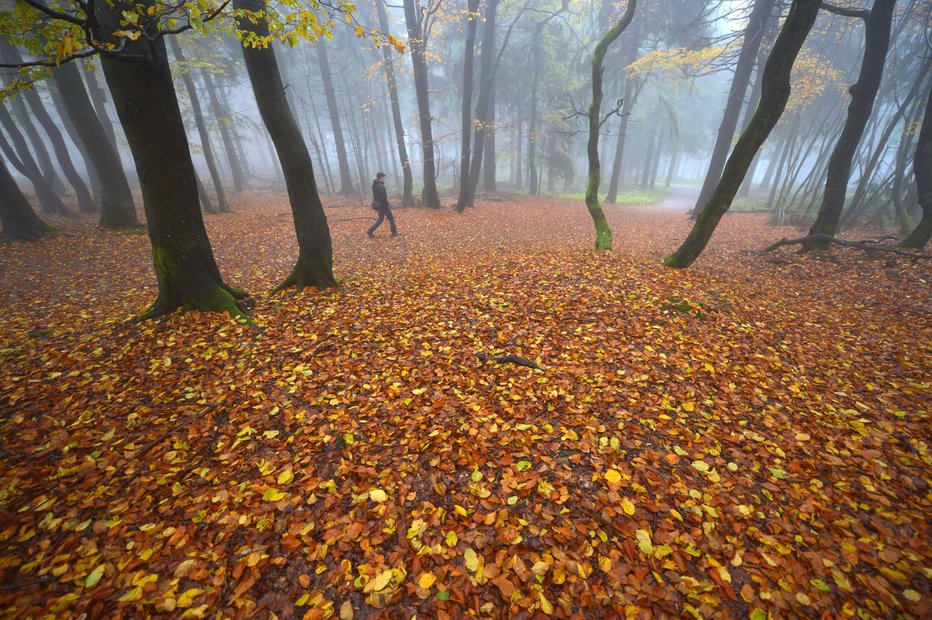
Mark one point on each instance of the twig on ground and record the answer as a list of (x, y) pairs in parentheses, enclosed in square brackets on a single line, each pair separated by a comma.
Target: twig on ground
[(509, 359)]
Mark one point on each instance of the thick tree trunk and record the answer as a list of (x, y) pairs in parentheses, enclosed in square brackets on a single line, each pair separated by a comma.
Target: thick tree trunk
[(603, 234), (346, 177), (863, 93), (922, 168), (408, 187), (429, 195), (222, 117), (16, 215), (774, 95), (188, 82), (98, 97), (314, 266), (19, 155), (466, 124), (117, 209), (144, 95), (753, 34)]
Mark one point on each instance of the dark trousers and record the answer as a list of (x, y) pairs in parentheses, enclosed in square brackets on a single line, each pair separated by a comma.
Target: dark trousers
[(384, 212)]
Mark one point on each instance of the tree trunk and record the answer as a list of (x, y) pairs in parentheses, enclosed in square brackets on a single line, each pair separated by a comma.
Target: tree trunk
[(648, 159), (429, 195), (223, 120), (202, 194), (408, 187), (863, 92), (314, 266), (519, 156), (630, 98), (486, 102), (117, 208), (466, 118), (98, 98), (745, 189), (19, 155), (16, 215), (922, 168), (774, 95), (603, 234), (42, 157), (346, 177), (144, 95), (224, 206), (488, 148), (93, 180), (671, 171), (753, 34)]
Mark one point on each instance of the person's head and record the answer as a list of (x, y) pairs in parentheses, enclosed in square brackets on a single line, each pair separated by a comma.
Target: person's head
[(380, 176)]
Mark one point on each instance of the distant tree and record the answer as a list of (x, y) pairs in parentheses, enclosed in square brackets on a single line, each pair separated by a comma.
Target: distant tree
[(472, 16), (314, 266), (418, 20), (16, 215), (774, 95), (603, 234), (346, 178), (922, 169), (877, 24)]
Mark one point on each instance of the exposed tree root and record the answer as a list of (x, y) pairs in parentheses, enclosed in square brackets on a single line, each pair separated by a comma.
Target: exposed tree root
[(867, 245)]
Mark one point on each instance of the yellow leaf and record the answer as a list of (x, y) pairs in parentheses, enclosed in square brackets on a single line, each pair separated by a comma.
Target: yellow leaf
[(378, 495), (272, 494), (627, 505), (472, 560), (426, 580), (285, 477), (381, 580), (545, 605), (613, 476), (689, 406), (94, 578), (644, 542), (418, 391), (452, 539), (912, 595), (701, 466), (459, 510)]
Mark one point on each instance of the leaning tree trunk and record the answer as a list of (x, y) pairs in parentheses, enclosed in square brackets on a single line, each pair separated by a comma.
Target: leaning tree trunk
[(98, 97), (346, 178), (224, 121), (774, 95), (314, 266), (222, 203), (408, 183), (753, 34), (466, 125), (144, 95), (16, 215), (23, 161), (863, 93), (922, 168), (117, 209), (429, 195), (42, 157), (603, 234)]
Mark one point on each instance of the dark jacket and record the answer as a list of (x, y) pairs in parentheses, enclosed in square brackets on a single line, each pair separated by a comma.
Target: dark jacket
[(379, 195)]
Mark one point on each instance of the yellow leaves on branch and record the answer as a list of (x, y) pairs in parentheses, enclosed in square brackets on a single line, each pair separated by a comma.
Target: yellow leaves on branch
[(675, 62)]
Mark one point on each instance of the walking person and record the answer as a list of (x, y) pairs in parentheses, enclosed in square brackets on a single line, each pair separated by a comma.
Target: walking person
[(380, 204)]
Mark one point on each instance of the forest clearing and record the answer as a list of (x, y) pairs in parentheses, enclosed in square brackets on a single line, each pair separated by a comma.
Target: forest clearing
[(747, 438)]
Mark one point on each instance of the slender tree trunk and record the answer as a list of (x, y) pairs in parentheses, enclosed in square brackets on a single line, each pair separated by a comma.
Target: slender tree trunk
[(486, 102), (671, 171), (314, 266), (603, 234), (346, 177), (276, 165), (61, 110), (863, 93), (201, 129), (774, 95), (648, 159), (355, 142), (429, 195), (98, 97), (19, 155), (488, 149), (117, 207), (206, 203), (16, 215), (922, 168), (42, 157), (519, 156), (753, 34), (630, 97), (223, 119), (408, 187), (745, 189), (144, 95), (658, 151), (466, 118)]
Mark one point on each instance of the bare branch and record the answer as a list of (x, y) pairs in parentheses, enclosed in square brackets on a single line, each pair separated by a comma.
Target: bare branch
[(867, 246), (844, 11)]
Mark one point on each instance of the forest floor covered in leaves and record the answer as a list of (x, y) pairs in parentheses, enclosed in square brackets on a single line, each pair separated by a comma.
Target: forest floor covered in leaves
[(748, 437)]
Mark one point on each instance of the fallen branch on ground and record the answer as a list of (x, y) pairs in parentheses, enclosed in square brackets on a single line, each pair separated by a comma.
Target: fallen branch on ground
[(509, 359), (867, 246)]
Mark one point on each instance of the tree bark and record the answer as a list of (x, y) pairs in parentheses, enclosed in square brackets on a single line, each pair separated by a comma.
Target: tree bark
[(346, 177), (19, 155), (486, 103), (408, 183), (753, 33), (223, 120), (429, 195), (144, 95), (16, 215), (603, 234), (61, 109), (117, 208), (314, 266), (863, 93), (922, 168), (774, 95), (489, 163), (466, 124), (98, 98), (42, 157), (188, 82)]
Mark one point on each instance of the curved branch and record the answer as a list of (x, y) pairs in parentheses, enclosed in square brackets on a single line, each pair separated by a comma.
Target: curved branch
[(867, 246), (844, 11)]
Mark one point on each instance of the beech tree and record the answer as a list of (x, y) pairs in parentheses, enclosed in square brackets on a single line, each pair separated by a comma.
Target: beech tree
[(922, 169), (16, 215)]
